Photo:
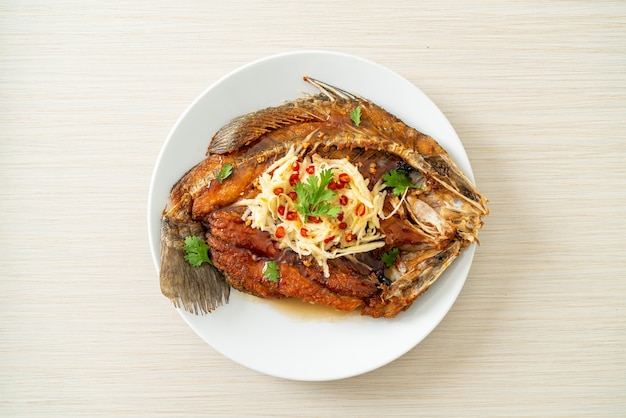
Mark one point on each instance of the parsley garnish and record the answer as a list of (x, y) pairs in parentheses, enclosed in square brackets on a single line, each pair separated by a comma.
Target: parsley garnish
[(197, 251), (355, 115), (313, 196), (224, 172), (389, 258), (271, 271), (399, 180)]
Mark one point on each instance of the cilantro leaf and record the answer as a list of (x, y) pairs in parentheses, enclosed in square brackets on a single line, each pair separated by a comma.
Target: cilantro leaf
[(399, 180), (355, 115), (389, 258), (224, 172), (313, 196), (197, 251), (271, 271)]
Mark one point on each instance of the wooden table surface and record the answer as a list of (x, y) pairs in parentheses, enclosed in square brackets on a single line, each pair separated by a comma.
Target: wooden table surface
[(90, 90)]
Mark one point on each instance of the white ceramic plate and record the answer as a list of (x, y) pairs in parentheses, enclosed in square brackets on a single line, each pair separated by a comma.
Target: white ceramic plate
[(276, 339)]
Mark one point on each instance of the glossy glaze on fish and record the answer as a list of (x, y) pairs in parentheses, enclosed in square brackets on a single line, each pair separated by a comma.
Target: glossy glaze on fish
[(427, 226)]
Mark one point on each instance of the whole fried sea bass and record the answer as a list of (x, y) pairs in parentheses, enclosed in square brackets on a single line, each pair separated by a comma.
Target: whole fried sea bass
[(327, 198)]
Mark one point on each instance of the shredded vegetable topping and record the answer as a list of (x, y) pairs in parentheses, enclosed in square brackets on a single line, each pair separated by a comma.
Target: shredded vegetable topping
[(293, 188)]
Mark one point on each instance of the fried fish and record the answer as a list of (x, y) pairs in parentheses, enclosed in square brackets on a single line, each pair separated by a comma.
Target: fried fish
[(327, 198)]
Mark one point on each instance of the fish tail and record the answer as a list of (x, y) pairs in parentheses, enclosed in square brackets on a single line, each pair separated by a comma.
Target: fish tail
[(197, 289)]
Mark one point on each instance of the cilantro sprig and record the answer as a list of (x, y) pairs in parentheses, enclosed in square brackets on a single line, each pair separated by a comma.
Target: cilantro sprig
[(314, 197), (355, 115), (197, 251), (271, 271), (389, 258), (225, 171), (400, 182)]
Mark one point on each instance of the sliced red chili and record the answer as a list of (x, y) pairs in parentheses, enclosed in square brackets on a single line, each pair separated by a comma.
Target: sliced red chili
[(291, 216), (310, 169), (343, 199), (295, 166), (293, 179), (278, 190), (340, 216), (344, 178), (350, 237), (329, 239), (280, 232), (315, 219), (304, 232), (343, 225), (293, 195), (281, 210), (360, 209)]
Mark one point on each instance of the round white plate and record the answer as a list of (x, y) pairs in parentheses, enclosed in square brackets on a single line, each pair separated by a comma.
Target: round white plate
[(276, 339)]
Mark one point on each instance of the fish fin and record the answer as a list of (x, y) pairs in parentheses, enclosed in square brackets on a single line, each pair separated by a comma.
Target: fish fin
[(198, 290), (332, 92), (244, 130)]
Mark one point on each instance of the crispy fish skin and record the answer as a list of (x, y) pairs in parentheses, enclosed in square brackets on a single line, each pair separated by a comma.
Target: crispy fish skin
[(431, 226), (229, 227)]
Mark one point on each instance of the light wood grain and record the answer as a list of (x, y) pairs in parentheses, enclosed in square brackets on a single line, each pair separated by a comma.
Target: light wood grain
[(89, 92)]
